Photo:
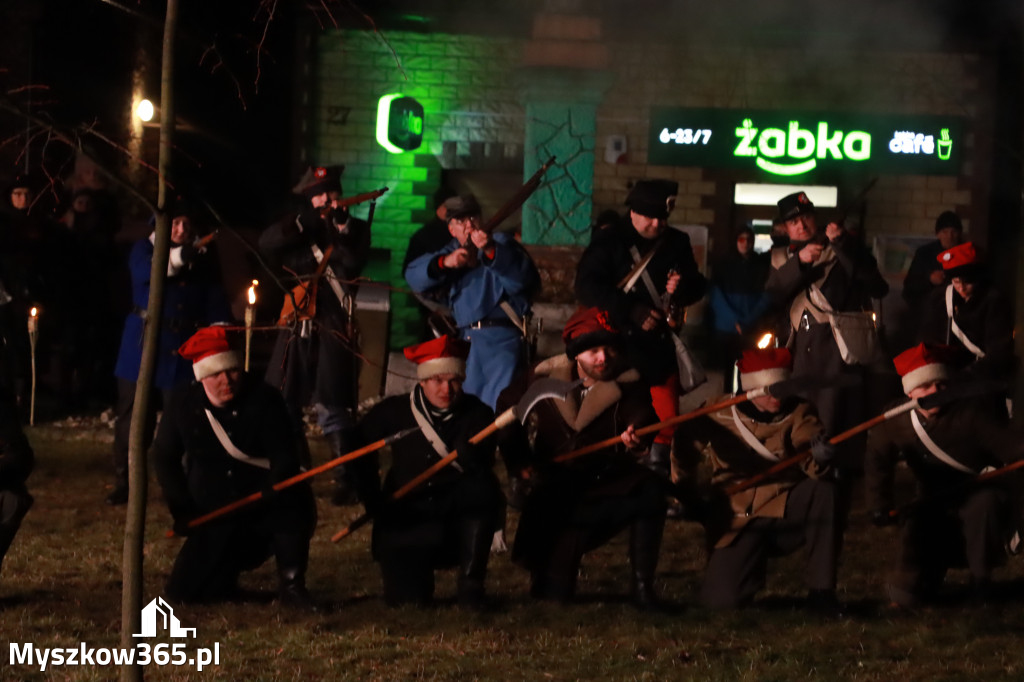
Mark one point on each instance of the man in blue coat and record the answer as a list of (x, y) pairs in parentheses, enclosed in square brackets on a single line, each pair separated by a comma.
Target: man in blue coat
[(489, 279), (193, 298)]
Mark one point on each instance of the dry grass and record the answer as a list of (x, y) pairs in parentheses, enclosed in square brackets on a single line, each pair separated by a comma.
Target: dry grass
[(60, 586)]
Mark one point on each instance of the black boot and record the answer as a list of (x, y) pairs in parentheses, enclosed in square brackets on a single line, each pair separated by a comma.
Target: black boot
[(119, 495), (14, 504), (474, 551), (344, 494), (292, 555), (644, 546)]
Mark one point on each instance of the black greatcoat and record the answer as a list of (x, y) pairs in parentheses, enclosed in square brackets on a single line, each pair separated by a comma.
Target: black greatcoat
[(607, 261), (585, 501), (426, 520), (320, 367), (198, 475), (986, 319)]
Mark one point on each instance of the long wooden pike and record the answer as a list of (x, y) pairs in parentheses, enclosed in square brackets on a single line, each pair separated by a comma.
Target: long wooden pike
[(538, 390), (780, 389), (298, 478), (925, 402)]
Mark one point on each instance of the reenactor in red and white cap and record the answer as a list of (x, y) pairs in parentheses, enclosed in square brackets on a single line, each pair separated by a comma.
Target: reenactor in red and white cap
[(970, 315), (451, 518), (795, 508), (954, 518), (221, 439)]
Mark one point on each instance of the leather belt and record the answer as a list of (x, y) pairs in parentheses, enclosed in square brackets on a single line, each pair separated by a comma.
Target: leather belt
[(480, 324)]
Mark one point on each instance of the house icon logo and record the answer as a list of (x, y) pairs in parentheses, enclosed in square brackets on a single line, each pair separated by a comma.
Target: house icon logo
[(159, 612)]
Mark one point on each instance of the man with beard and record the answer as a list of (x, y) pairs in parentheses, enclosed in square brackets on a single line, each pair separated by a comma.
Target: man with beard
[(649, 309), (219, 440), (797, 507), (955, 517), (314, 358), (577, 506), (450, 519)]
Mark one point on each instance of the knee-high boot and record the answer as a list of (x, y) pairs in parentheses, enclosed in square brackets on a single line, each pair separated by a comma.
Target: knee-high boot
[(340, 443), (644, 547), (292, 555), (474, 551)]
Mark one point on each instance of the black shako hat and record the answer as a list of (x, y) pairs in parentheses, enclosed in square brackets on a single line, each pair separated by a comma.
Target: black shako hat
[(792, 205), (948, 219), (319, 179), (462, 206), (653, 198)]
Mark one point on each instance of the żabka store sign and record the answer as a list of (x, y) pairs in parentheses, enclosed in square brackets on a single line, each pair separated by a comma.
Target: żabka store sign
[(791, 144)]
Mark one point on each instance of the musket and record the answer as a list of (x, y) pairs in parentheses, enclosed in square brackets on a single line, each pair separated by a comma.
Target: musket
[(518, 199), (203, 242), (359, 198)]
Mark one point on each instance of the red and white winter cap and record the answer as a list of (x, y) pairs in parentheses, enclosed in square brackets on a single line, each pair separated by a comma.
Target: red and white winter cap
[(760, 367), (922, 364), (443, 355), (958, 256), (210, 352)]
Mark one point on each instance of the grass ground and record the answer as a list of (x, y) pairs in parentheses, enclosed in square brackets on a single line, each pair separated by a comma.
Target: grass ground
[(61, 586)]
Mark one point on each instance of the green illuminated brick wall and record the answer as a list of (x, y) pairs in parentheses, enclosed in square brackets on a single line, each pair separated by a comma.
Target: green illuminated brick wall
[(463, 84)]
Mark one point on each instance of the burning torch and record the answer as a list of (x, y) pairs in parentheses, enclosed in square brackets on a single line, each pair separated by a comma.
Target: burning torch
[(33, 336), (250, 317)]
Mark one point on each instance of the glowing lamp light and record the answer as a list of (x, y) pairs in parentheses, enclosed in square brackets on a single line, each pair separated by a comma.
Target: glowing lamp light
[(145, 111), (765, 341)]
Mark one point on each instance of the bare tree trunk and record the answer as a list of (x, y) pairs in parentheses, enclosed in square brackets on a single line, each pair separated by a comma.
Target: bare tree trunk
[(135, 523)]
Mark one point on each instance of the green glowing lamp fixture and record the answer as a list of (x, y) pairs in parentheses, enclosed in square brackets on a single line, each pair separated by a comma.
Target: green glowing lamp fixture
[(399, 123)]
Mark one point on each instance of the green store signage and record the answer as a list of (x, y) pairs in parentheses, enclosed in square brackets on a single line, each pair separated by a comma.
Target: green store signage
[(796, 144), (399, 123)]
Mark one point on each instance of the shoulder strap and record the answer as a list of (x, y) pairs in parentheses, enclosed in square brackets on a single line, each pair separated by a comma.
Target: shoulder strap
[(955, 328), (933, 447), (428, 431), (231, 448), (750, 439)]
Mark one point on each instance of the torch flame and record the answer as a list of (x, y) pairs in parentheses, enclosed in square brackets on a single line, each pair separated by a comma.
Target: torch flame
[(765, 341), (34, 312), (252, 293)]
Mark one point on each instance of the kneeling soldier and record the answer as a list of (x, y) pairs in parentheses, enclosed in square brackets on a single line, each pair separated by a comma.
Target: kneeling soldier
[(220, 440), (580, 505), (796, 507), (450, 519), (954, 518)]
